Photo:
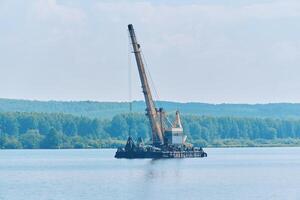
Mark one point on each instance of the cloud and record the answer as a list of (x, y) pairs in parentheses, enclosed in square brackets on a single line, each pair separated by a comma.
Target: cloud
[(51, 9), (216, 44), (207, 48), (150, 12), (185, 24)]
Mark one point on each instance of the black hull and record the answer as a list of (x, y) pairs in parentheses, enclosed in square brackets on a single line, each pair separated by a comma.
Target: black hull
[(160, 154)]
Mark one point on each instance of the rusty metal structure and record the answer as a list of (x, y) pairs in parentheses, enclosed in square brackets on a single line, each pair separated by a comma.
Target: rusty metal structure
[(151, 111), (168, 139)]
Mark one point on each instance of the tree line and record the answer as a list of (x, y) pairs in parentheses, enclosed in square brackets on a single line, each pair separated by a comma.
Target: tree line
[(107, 110), (44, 130)]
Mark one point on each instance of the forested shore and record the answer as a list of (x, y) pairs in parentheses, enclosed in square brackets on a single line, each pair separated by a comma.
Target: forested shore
[(107, 110), (52, 131)]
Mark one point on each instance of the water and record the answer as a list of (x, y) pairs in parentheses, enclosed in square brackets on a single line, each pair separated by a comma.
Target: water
[(233, 173)]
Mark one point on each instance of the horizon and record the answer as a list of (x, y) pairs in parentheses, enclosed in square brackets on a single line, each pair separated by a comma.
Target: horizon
[(141, 100)]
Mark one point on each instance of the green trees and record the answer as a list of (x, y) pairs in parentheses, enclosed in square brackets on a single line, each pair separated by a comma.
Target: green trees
[(52, 140), (70, 128), (31, 139), (9, 124), (78, 142), (12, 143), (106, 110), (118, 127), (26, 122), (270, 133), (3, 140), (41, 130)]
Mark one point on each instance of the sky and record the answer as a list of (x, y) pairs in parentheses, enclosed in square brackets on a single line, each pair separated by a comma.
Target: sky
[(221, 51)]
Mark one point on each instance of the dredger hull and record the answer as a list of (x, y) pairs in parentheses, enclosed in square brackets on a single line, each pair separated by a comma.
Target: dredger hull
[(160, 154)]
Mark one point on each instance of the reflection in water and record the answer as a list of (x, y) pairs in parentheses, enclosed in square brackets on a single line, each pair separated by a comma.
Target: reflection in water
[(158, 174), (162, 168), (228, 174)]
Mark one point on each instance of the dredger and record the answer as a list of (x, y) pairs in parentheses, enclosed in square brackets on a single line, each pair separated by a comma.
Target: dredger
[(168, 139)]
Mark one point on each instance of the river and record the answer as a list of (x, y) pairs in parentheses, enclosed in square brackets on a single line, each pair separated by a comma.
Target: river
[(227, 174)]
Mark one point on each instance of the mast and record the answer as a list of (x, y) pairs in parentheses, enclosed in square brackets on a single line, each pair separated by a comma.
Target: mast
[(151, 111)]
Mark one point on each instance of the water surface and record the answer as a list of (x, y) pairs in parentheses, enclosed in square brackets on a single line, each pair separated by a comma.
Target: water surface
[(231, 173)]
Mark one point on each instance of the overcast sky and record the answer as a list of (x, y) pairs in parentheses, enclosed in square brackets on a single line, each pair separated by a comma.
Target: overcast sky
[(239, 51)]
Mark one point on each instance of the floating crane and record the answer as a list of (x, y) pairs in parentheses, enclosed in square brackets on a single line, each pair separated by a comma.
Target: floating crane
[(151, 111), (168, 141)]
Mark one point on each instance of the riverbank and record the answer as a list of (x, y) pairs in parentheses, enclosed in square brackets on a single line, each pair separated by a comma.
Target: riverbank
[(113, 143)]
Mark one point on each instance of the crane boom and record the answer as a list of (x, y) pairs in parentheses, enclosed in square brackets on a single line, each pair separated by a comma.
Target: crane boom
[(151, 110)]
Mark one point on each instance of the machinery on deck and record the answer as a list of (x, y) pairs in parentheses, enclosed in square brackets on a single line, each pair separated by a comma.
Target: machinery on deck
[(168, 139)]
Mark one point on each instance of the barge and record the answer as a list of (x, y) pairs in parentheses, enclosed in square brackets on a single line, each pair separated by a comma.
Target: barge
[(168, 139)]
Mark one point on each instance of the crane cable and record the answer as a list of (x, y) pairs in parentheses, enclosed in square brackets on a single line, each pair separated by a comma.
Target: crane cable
[(150, 77), (154, 88), (148, 73)]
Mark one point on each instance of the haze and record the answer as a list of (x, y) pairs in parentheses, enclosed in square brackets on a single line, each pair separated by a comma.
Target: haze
[(221, 52)]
